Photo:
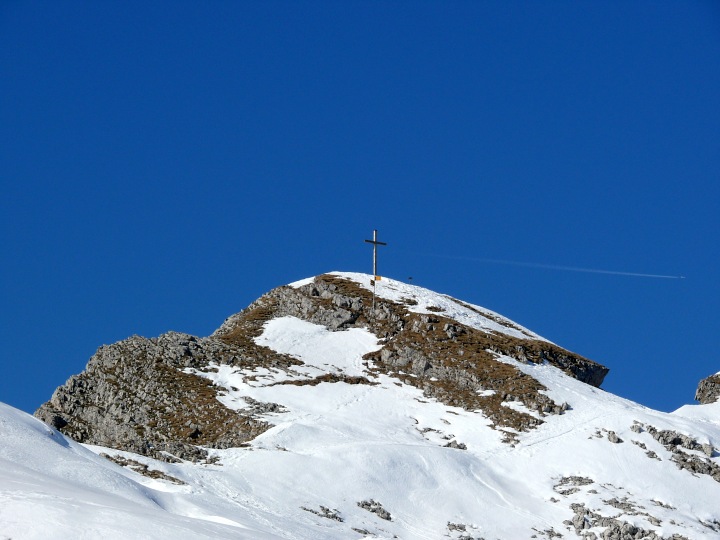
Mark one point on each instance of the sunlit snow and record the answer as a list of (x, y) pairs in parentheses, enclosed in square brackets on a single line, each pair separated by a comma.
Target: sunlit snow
[(336, 444)]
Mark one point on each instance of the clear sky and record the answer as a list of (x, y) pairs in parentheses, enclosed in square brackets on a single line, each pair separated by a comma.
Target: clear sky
[(163, 164)]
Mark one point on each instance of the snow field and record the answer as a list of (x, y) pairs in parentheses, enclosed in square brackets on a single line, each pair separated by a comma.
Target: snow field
[(340, 444), (52, 487)]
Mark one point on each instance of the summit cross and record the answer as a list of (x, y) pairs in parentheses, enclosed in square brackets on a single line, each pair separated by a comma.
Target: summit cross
[(375, 278), (375, 244)]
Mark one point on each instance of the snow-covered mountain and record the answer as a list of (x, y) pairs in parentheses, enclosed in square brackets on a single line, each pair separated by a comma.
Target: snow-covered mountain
[(314, 415)]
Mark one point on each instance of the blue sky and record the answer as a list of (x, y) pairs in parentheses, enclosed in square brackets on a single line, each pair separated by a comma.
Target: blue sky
[(163, 164)]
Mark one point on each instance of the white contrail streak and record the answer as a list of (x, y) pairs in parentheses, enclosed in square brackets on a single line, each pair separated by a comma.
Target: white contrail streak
[(558, 267)]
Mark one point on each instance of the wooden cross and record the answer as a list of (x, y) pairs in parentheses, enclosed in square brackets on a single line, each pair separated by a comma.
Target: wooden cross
[(375, 244)]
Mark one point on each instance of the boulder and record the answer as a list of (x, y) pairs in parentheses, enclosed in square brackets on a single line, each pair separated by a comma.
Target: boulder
[(708, 391)]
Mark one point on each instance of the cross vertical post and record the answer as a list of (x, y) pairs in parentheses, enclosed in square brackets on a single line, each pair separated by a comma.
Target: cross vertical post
[(376, 277)]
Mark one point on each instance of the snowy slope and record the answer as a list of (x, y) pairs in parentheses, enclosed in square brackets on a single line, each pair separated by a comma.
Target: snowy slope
[(339, 452), (52, 487)]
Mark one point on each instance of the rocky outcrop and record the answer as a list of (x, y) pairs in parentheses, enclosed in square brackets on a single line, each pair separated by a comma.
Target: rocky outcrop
[(135, 396), (674, 442), (145, 396), (613, 528), (708, 391), (376, 508)]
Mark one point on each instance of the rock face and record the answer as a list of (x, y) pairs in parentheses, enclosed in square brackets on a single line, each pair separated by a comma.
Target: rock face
[(134, 396), (708, 390), (138, 394)]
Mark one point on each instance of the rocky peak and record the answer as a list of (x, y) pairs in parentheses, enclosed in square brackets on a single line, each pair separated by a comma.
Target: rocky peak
[(148, 396)]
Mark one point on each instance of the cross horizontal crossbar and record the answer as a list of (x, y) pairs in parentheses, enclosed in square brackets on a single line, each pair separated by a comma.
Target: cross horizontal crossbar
[(375, 244)]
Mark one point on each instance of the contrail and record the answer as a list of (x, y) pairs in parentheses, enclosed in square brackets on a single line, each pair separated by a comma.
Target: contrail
[(559, 267)]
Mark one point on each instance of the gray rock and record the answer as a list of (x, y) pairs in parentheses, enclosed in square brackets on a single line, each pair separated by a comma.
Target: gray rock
[(456, 445), (326, 513), (134, 396), (672, 440), (614, 528), (376, 508), (708, 390)]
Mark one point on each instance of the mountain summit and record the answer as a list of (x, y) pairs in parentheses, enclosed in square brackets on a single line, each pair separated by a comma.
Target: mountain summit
[(159, 397), (339, 407)]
